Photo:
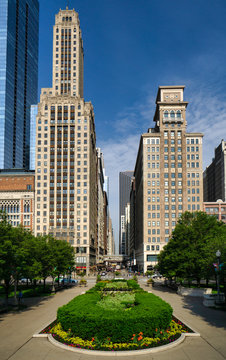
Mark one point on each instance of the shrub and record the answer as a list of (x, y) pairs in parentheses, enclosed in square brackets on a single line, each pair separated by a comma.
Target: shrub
[(86, 319), (150, 281)]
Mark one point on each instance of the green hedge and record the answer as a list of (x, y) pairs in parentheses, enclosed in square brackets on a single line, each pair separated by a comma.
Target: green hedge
[(86, 319), (101, 285)]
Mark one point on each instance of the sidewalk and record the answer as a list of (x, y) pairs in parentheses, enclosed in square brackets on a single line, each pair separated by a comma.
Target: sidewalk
[(16, 342)]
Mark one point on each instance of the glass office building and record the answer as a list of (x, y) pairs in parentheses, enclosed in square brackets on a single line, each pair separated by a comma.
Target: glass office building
[(19, 22)]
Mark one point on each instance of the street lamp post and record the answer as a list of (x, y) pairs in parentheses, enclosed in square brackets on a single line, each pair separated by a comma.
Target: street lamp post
[(218, 254)]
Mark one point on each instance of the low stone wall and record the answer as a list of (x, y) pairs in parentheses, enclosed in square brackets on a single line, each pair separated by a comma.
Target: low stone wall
[(198, 292), (211, 300)]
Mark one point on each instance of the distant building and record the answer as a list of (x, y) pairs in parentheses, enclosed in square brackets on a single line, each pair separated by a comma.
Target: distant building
[(111, 241), (34, 113), (101, 218), (125, 179), (214, 177), (216, 209), (168, 176), (17, 189), (19, 23)]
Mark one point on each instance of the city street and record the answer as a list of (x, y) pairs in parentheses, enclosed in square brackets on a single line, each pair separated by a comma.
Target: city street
[(17, 329)]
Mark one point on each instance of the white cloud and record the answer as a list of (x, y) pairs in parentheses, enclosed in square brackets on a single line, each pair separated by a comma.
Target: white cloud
[(206, 113)]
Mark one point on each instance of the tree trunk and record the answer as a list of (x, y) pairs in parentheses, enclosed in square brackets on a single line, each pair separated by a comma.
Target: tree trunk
[(44, 284), (15, 290), (6, 285)]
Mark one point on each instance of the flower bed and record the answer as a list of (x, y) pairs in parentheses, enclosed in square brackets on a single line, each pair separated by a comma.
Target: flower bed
[(136, 342), (116, 320)]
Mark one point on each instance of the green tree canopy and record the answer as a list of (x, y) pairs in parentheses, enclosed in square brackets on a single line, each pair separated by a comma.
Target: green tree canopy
[(191, 250)]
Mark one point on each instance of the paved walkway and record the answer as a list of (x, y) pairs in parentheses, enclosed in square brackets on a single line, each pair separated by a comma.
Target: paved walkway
[(16, 330)]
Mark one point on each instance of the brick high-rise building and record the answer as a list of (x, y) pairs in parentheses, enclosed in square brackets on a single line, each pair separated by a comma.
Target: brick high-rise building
[(168, 176), (66, 162)]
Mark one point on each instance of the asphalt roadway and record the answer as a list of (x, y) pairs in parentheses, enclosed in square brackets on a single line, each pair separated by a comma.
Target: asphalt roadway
[(17, 329)]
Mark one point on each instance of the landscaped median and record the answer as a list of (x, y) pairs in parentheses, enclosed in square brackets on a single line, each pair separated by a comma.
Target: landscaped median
[(116, 316)]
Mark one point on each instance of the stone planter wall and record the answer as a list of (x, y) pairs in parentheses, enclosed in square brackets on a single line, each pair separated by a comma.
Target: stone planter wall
[(209, 300)]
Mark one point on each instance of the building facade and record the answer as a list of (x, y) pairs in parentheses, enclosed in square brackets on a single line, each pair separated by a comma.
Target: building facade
[(19, 22), (33, 115), (101, 208), (125, 179), (111, 241), (17, 191), (214, 177), (216, 209), (168, 176), (66, 161)]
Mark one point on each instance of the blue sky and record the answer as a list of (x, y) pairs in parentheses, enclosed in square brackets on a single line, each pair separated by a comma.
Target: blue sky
[(133, 46)]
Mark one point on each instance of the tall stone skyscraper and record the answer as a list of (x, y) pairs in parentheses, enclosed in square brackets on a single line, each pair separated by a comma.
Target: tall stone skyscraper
[(168, 176), (19, 22), (66, 162)]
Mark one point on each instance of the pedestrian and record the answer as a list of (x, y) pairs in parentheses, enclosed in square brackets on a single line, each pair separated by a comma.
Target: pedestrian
[(20, 296)]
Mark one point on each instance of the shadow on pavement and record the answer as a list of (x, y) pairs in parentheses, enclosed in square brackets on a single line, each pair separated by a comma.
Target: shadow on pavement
[(215, 317)]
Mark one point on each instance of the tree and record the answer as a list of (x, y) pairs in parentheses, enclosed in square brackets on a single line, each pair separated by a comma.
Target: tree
[(63, 254), (13, 255), (191, 250)]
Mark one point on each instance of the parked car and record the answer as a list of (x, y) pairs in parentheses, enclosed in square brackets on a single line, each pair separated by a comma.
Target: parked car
[(24, 281), (68, 281), (156, 276)]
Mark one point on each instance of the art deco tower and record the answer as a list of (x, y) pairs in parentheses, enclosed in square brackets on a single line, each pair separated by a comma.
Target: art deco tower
[(66, 165)]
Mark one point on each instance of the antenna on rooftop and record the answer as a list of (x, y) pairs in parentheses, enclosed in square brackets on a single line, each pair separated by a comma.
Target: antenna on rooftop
[(67, 7)]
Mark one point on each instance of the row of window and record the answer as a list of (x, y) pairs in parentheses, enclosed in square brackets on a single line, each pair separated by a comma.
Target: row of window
[(172, 114), (154, 239), (193, 165), (172, 149), (193, 191), (193, 207), (194, 198), (153, 231), (193, 182), (153, 223), (192, 148), (172, 141), (152, 247), (172, 134)]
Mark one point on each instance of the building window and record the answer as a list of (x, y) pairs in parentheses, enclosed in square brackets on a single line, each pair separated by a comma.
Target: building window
[(172, 114), (178, 114)]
